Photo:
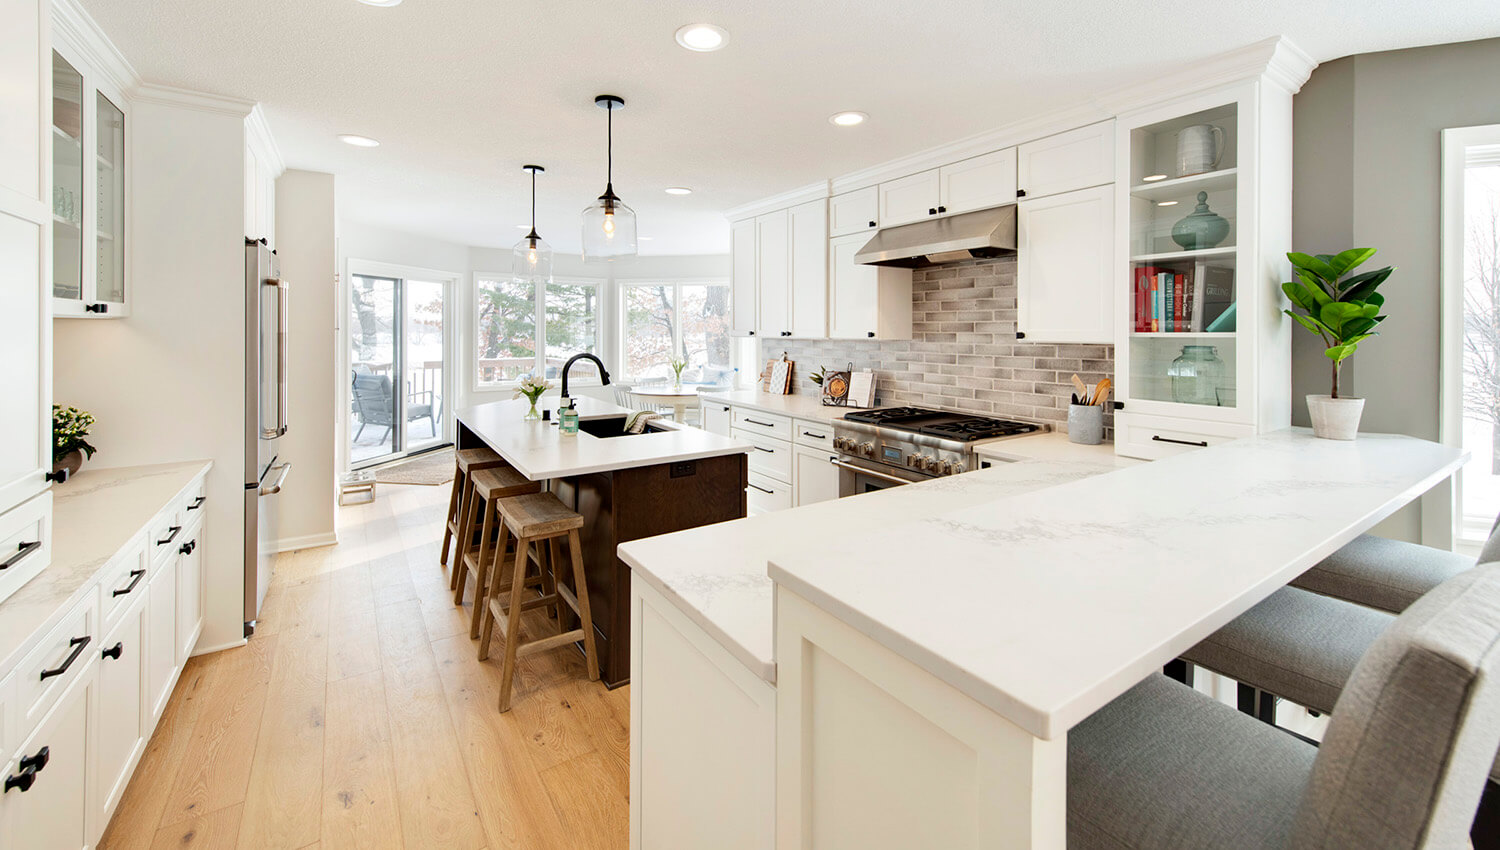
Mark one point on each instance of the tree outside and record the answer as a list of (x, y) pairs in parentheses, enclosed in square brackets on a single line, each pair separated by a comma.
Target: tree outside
[(1481, 378)]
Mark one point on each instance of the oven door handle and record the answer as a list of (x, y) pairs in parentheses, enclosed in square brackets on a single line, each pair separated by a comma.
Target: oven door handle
[(883, 476)]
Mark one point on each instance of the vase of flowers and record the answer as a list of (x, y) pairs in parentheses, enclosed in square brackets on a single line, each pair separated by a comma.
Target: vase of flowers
[(70, 427), (532, 387), (677, 364)]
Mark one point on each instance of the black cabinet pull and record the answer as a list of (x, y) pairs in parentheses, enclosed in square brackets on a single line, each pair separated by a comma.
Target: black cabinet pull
[(59, 476), (752, 333), (1202, 444), (170, 537), (21, 552), (188, 547), (135, 579), (23, 780), (96, 308), (1020, 334), (197, 503), (758, 422), (38, 761), (932, 210), (78, 645), (767, 451), (815, 436), (1119, 405), (872, 224), (762, 489), (114, 651), (870, 334), (1020, 193), (942, 209)]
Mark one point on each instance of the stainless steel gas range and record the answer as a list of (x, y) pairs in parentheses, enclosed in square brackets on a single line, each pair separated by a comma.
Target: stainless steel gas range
[(890, 446)]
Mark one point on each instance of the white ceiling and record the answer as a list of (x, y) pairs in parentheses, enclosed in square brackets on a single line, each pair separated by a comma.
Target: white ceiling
[(461, 93)]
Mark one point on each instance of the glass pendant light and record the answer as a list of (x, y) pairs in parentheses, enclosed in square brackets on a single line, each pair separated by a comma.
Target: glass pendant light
[(531, 259), (609, 225)]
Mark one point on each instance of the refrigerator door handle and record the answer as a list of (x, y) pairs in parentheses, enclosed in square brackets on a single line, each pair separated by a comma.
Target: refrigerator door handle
[(281, 471), (283, 291)]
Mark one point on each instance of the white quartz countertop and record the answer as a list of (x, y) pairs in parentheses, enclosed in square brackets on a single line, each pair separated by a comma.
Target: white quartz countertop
[(799, 406), (717, 574), (94, 516), (1055, 602), (1053, 445), (538, 451)]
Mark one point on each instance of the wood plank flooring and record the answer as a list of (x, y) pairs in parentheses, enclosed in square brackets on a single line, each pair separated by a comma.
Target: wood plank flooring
[(358, 717)]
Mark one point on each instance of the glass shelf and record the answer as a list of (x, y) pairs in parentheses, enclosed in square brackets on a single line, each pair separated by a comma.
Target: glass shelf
[(1186, 187), (68, 198)]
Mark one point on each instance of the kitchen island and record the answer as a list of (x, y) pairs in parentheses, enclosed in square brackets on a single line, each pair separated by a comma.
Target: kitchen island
[(626, 486), (926, 660)]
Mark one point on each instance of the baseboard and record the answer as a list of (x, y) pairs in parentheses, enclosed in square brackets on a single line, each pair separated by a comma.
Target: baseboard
[(307, 541), (206, 650)]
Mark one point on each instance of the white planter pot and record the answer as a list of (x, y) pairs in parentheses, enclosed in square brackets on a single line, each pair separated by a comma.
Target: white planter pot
[(1335, 418)]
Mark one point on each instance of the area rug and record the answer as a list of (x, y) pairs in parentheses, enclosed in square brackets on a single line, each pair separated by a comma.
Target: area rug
[(431, 469)]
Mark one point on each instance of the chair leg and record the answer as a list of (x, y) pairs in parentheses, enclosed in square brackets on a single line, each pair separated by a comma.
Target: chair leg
[(549, 581), (580, 583), (360, 432), (496, 584), (513, 626), (451, 521), (465, 533), (486, 633), (487, 574), (480, 559)]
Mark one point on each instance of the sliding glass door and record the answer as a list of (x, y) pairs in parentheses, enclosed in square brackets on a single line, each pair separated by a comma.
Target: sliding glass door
[(398, 354)]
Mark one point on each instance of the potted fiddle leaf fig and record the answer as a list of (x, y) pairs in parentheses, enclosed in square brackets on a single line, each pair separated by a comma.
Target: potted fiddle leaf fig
[(1343, 309)]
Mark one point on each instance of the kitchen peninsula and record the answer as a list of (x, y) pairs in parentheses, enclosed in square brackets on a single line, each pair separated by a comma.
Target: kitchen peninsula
[(906, 664), (626, 486)]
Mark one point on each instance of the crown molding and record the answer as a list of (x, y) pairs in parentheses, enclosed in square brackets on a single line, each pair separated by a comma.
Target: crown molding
[(200, 101), (1275, 60), (258, 134), (77, 29), (801, 195)]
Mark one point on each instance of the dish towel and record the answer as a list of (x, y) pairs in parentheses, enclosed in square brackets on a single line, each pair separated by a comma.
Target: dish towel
[(636, 424)]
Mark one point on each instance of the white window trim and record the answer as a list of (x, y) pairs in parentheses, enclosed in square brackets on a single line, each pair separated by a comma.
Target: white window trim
[(540, 312), (676, 284)]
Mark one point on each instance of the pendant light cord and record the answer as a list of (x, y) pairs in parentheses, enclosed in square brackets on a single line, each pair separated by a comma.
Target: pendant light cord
[(609, 176), (533, 200)]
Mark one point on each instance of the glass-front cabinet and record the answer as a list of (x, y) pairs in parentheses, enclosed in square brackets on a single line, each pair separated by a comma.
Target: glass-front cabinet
[(89, 225), (1203, 351)]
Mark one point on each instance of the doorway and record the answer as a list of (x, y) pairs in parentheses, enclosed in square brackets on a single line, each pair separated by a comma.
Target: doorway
[(398, 367)]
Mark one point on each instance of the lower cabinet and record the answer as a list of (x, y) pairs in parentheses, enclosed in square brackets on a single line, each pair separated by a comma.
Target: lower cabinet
[(45, 806), (766, 494), (716, 418), (189, 593), (817, 479), (161, 638), (122, 735)]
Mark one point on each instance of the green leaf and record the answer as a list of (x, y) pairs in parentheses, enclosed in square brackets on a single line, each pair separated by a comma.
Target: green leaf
[(1308, 322), (1375, 298), (1316, 287), (1335, 313), (1299, 295), (1313, 264), (1339, 353), (1362, 286), (1350, 259)]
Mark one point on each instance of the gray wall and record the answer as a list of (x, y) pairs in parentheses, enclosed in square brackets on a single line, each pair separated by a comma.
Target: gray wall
[(1367, 171)]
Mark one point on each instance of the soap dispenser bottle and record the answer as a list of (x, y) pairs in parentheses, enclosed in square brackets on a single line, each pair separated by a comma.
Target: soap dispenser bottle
[(567, 419)]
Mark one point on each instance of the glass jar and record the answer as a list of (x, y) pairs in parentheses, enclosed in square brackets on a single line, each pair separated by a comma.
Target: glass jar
[(1196, 375)]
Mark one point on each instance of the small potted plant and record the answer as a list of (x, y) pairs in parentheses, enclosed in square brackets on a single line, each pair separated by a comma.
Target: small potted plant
[(1343, 310), (532, 387), (677, 364), (70, 427)]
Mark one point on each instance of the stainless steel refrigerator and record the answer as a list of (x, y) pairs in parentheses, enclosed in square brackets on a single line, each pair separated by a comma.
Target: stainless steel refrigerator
[(265, 418)]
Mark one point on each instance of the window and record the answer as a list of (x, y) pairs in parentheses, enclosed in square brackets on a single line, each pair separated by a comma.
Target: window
[(511, 343), (663, 320)]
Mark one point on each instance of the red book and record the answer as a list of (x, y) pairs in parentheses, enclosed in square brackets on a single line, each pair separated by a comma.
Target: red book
[(1140, 298), (1177, 313)]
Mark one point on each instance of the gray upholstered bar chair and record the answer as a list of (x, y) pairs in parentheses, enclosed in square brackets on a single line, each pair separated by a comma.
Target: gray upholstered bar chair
[(1402, 765), (1389, 574)]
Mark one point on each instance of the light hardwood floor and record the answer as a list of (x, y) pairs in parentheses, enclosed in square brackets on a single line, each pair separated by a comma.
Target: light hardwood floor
[(358, 717)]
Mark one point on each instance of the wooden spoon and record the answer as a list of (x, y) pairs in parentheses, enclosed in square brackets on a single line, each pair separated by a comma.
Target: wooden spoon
[(1101, 392), (1083, 391)]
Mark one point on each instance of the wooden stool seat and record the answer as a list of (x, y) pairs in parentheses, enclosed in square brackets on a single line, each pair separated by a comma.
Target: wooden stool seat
[(502, 482), (535, 519), (468, 458), (467, 461)]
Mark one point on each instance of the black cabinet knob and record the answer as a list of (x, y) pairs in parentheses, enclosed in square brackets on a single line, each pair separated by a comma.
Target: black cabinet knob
[(59, 476), (1020, 334), (932, 210), (23, 780), (114, 651), (1119, 405), (752, 333), (38, 761), (1020, 193), (942, 209), (188, 547), (872, 224), (870, 334)]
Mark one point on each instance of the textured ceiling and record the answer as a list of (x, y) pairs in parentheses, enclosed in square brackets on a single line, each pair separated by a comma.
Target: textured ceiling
[(463, 92)]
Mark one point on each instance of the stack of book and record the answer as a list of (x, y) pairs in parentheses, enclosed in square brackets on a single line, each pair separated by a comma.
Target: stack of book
[(1197, 298)]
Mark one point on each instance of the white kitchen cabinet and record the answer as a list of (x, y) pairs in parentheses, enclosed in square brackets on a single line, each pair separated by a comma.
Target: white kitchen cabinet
[(744, 319), (46, 807), (773, 273), (1076, 159), (854, 212), (260, 195), (808, 232), (910, 198), (977, 183), (866, 302), (161, 637), (816, 478), (122, 701), (1064, 282), (771, 458), (765, 494), (716, 417), (189, 592)]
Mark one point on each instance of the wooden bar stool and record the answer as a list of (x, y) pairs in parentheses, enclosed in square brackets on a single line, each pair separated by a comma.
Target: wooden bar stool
[(487, 488), (533, 520), (467, 461)]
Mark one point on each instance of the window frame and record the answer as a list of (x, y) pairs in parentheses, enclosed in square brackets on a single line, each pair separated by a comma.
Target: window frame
[(539, 308), (676, 284)]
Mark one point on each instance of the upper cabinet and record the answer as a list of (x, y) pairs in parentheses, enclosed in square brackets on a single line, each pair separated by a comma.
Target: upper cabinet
[(773, 250), (808, 229), (971, 184), (910, 198), (1065, 267), (865, 302), (90, 182), (854, 212), (1067, 161), (780, 273), (743, 289)]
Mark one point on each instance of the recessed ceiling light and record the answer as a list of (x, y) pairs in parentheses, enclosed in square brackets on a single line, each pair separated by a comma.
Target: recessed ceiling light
[(847, 119), (679, 190), (702, 38), (1152, 178), (381, 2), (1166, 203), (358, 141)]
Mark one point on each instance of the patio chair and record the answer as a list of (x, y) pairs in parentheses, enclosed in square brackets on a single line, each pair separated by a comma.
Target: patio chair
[(372, 404)]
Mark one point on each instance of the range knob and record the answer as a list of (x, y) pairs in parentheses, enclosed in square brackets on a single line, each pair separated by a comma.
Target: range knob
[(958, 468), (867, 449), (945, 467), (841, 443), (911, 460)]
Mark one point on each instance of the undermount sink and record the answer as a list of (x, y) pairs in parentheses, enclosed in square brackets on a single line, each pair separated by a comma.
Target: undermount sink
[(609, 426)]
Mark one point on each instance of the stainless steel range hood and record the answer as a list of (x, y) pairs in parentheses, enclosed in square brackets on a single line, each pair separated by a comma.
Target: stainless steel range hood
[(984, 233)]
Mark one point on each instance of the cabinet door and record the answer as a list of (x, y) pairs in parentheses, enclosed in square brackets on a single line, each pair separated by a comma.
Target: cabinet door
[(851, 290), (773, 267), (909, 199), (816, 478), (716, 418), (742, 280), (161, 638), (109, 205), (25, 418), (189, 594), (1063, 268), (809, 289), (51, 813), (122, 670), (854, 212), (21, 62), (69, 202), (1076, 159), (978, 183)]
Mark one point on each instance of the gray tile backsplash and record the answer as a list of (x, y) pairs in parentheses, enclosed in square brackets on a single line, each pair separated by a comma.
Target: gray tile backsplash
[(963, 353)]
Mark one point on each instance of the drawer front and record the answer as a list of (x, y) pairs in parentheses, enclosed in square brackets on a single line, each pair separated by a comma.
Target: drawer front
[(25, 542), (56, 663), (123, 582), (194, 500), (818, 435), (164, 535), (766, 494), (1156, 437), (763, 424), (770, 457)]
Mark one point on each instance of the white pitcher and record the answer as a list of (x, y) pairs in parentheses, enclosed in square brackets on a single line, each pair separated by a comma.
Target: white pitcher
[(1199, 149)]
